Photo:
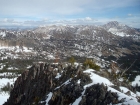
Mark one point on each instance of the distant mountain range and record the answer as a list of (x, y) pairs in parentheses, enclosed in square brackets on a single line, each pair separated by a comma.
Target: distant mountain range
[(111, 41)]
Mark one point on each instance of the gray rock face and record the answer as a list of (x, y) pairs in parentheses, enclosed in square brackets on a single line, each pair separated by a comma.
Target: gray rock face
[(67, 94), (33, 86), (98, 95)]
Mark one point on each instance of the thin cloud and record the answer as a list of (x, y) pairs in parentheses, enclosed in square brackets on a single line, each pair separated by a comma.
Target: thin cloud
[(129, 14), (88, 18), (133, 21)]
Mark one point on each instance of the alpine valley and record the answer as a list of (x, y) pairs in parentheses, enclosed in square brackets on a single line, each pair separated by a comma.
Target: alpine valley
[(70, 65)]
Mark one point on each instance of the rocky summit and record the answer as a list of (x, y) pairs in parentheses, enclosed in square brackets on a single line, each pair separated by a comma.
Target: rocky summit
[(70, 84)]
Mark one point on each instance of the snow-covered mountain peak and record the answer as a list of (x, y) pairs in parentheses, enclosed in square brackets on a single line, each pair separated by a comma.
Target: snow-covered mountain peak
[(120, 29), (115, 24)]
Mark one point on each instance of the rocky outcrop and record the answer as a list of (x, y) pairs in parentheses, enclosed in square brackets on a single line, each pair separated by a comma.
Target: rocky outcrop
[(98, 95), (66, 83), (36, 82), (33, 84)]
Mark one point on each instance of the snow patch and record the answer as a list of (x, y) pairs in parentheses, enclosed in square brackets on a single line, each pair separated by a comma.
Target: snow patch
[(128, 100), (2, 34), (100, 79), (49, 97), (78, 81), (136, 81), (117, 32), (58, 76), (51, 57), (47, 37), (4, 96), (124, 89)]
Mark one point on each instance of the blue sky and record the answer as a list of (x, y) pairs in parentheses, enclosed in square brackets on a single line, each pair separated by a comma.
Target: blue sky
[(46, 12)]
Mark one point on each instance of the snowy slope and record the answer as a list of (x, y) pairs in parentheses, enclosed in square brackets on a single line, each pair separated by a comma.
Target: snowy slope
[(98, 79), (117, 32), (128, 99)]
